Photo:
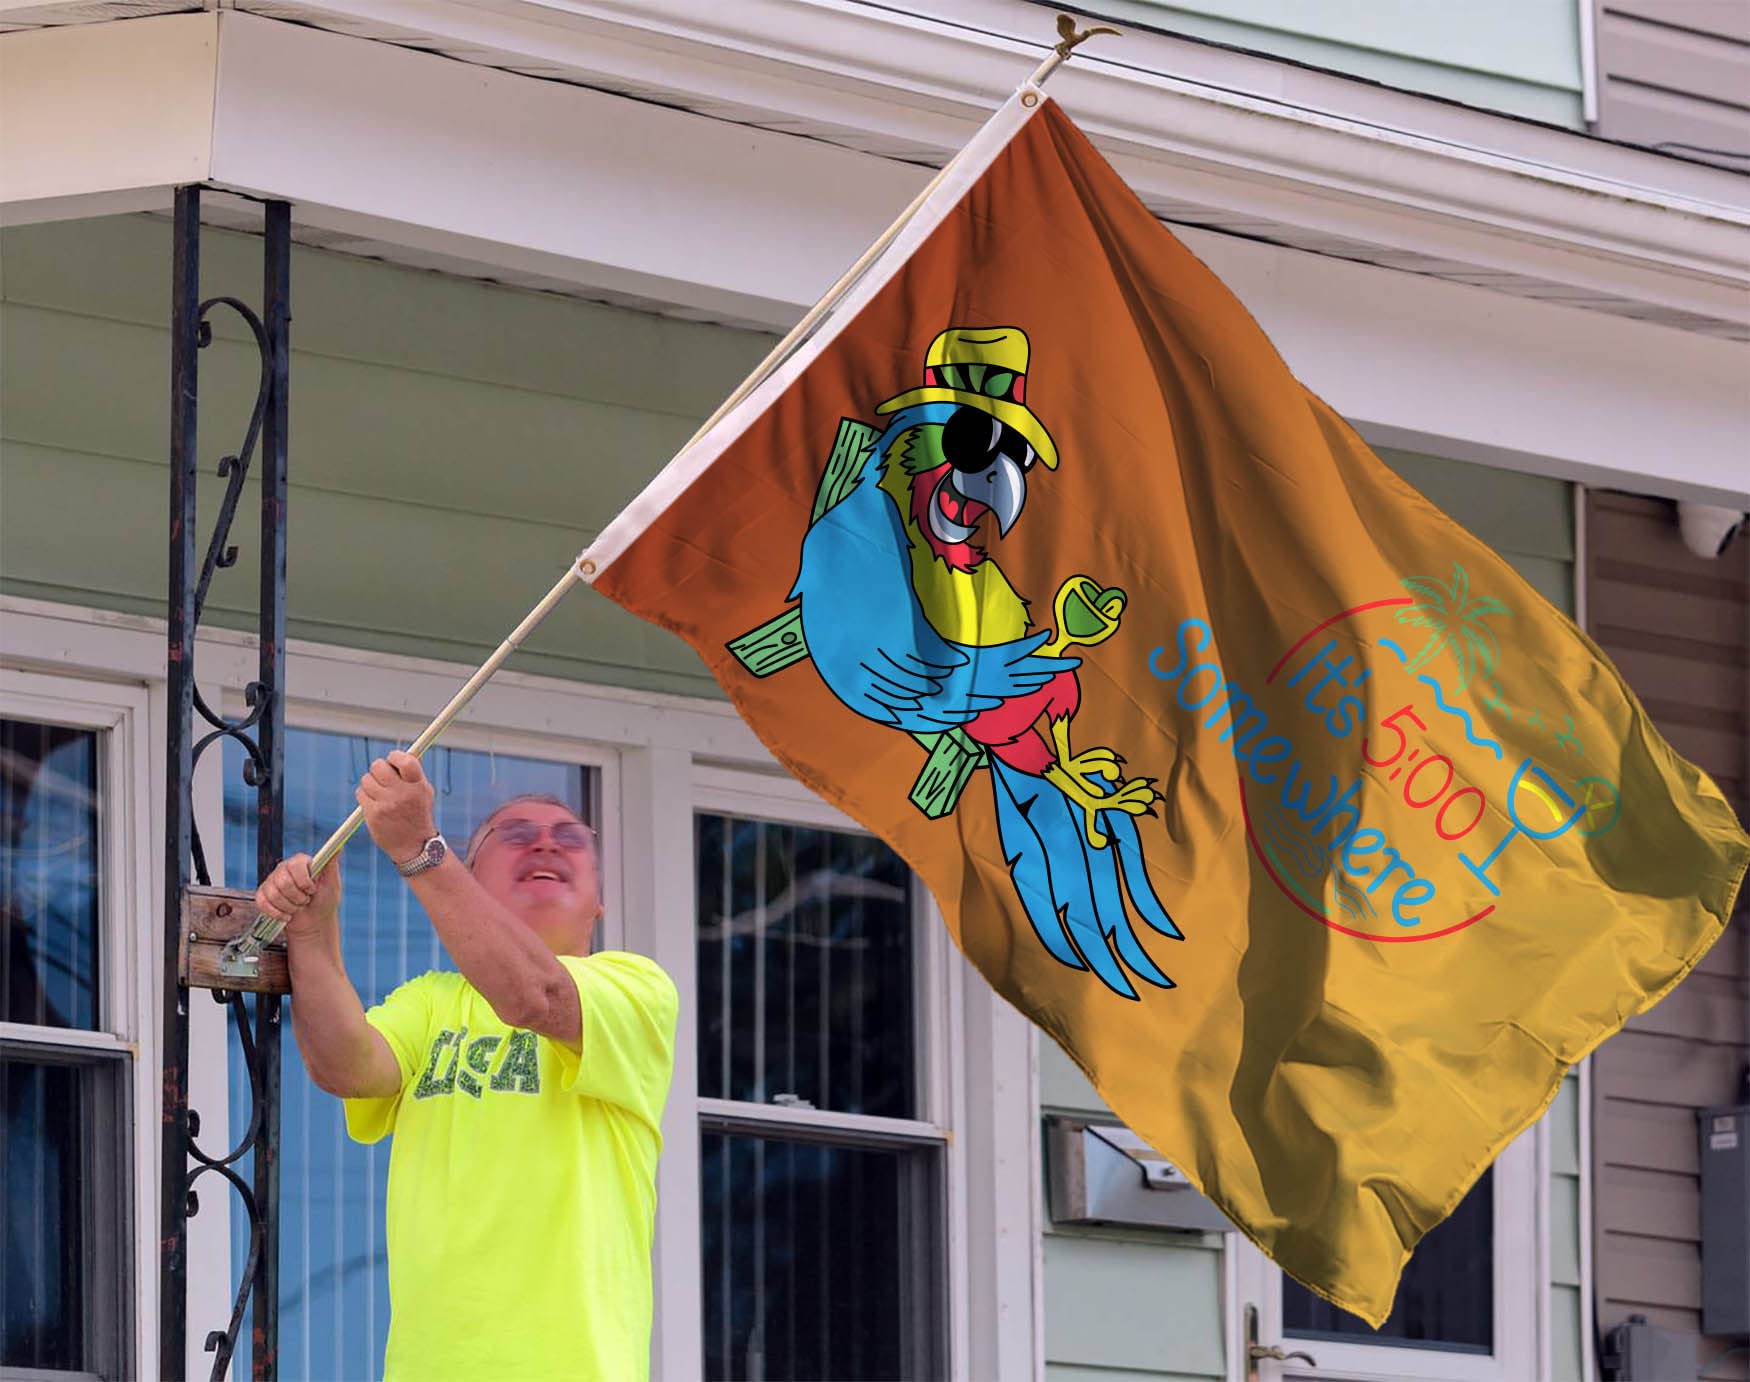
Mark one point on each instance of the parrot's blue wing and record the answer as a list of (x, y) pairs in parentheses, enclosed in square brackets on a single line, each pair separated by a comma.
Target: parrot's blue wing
[(868, 637), (1071, 891)]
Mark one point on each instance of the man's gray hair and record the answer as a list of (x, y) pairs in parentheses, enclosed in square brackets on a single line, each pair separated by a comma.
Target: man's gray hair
[(545, 799)]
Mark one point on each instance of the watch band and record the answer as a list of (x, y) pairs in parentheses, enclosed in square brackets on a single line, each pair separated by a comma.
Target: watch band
[(431, 854)]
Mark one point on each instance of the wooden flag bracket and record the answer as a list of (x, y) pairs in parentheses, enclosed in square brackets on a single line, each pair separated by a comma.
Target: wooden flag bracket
[(213, 918)]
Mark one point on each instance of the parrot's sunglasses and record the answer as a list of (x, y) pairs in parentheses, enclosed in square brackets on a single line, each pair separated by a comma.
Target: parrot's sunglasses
[(972, 440), (572, 836)]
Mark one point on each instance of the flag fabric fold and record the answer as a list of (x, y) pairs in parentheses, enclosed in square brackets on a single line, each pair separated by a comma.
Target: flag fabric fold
[(1315, 836)]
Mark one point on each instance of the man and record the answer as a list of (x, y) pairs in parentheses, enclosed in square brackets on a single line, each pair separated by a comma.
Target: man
[(524, 1093)]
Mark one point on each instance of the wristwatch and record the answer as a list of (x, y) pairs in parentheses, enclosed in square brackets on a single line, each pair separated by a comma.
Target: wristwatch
[(431, 854)]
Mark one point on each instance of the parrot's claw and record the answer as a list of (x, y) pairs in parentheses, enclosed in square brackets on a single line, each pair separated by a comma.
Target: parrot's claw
[(1134, 797), (1103, 763)]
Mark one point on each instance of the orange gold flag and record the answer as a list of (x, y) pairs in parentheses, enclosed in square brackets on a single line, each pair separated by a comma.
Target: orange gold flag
[(1315, 836)]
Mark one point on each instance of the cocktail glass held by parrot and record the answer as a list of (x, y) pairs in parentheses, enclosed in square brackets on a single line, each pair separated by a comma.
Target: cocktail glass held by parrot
[(1087, 613)]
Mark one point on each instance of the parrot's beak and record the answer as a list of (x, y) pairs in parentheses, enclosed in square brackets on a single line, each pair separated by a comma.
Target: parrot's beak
[(962, 497)]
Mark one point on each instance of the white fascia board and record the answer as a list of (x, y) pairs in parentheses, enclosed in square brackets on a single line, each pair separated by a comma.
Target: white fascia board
[(542, 177), (527, 176), (1187, 124), (97, 119), (1458, 371), (548, 178)]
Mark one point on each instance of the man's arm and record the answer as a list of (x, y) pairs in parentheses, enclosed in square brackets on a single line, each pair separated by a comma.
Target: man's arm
[(507, 963), (344, 1054)]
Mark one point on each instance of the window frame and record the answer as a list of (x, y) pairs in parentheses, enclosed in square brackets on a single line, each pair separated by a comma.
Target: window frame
[(650, 743), (1521, 1298), (106, 1196), (936, 1007), (122, 1052)]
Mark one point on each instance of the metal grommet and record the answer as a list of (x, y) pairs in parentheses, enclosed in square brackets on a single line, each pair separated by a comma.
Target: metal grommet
[(586, 568), (1029, 99)]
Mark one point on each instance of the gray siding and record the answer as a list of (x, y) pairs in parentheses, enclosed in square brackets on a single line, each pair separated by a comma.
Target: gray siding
[(453, 444), (1676, 72), (1678, 627)]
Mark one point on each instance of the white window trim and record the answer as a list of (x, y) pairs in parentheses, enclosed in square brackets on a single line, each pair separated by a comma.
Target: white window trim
[(1521, 1299), (939, 1019), (649, 748), (130, 961), (1588, 1304)]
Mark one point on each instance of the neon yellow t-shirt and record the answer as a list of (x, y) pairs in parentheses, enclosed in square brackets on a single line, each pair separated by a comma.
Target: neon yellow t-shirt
[(522, 1178)]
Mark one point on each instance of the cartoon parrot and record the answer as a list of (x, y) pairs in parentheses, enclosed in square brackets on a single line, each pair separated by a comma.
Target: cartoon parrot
[(913, 626)]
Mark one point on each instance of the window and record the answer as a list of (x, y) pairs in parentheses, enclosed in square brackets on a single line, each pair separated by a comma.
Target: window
[(1445, 1299), (822, 1185), (67, 1012), (1466, 1308), (334, 1288)]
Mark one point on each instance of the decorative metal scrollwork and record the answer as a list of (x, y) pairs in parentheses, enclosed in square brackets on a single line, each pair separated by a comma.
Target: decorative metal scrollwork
[(259, 733)]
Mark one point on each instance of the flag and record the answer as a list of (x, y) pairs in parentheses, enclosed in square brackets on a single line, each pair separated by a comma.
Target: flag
[(1318, 839)]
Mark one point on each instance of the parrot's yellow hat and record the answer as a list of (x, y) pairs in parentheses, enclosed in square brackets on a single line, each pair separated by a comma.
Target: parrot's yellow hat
[(985, 369)]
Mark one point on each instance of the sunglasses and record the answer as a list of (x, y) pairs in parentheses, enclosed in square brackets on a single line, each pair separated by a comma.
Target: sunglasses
[(518, 833), (972, 439)]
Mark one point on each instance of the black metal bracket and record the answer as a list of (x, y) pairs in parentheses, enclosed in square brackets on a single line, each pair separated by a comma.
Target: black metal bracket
[(261, 733)]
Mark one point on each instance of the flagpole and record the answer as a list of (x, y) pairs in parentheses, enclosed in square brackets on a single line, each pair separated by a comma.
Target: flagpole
[(241, 956), (1071, 38)]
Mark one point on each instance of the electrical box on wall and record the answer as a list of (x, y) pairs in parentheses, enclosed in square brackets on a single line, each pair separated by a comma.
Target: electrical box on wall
[(1725, 1220), (1636, 1351), (1102, 1173)]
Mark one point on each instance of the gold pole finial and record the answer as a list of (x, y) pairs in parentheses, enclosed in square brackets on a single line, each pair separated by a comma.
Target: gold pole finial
[(1069, 39)]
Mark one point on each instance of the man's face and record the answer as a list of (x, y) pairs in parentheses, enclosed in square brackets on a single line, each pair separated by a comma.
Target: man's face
[(549, 881)]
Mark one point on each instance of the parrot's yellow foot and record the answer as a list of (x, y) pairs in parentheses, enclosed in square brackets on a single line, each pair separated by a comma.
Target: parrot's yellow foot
[(1100, 762), (1133, 797)]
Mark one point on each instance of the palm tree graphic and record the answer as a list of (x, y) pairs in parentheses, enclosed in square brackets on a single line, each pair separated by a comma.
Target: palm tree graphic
[(1457, 622)]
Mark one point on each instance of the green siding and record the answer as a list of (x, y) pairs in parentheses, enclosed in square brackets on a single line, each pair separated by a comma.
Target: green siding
[(1113, 1302), (453, 444), (1517, 56), (437, 425), (1527, 519), (1564, 1318)]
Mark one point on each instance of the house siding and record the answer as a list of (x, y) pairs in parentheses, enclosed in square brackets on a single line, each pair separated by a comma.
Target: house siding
[(437, 425), (1676, 72), (1678, 627), (1521, 57)]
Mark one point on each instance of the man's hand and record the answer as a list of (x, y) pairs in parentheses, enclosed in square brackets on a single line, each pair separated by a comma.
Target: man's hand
[(309, 907), (344, 1054), (397, 803)]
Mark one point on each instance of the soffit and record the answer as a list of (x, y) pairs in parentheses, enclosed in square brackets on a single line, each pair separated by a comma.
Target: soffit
[(1229, 142)]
